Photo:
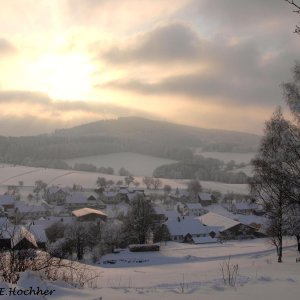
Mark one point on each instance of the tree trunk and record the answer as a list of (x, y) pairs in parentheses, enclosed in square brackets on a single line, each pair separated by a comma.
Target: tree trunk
[(280, 251), (298, 241)]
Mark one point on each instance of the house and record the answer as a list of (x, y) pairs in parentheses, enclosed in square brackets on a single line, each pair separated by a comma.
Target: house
[(24, 210), (227, 228), (77, 200), (40, 236), (205, 199), (49, 221), (179, 195), (159, 215), (187, 229), (113, 197), (89, 215), (7, 202), (193, 209), (56, 195), (17, 238), (244, 208)]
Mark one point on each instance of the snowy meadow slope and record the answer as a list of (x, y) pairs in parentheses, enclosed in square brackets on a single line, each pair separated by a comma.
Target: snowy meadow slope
[(181, 271), (12, 175)]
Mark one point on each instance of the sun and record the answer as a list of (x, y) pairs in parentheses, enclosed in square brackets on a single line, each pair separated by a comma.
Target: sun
[(63, 76)]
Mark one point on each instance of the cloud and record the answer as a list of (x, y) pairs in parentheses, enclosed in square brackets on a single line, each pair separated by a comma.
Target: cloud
[(6, 47), (202, 87), (170, 42), (242, 16), (239, 73), (24, 97), (29, 113)]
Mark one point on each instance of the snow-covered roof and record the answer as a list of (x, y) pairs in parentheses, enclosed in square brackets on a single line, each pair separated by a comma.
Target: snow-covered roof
[(245, 205), (205, 196), (39, 233), (16, 234), (29, 208), (21, 233), (216, 220), (110, 194), (47, 222), (4, 222), (86, 211), (204, 240), (193, 206), (7, 200), (54, 189), (159, 210), (77, 197), (183, 226)]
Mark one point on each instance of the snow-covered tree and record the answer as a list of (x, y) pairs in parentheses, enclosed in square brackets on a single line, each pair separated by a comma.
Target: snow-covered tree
[(139, 220), (194, 187), (272, 183)]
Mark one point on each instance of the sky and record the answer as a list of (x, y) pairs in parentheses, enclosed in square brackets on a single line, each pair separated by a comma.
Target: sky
[(211, 64)]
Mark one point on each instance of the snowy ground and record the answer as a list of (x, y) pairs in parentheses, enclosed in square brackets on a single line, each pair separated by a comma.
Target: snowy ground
[(12, 175), (135, 163), (189, 272)]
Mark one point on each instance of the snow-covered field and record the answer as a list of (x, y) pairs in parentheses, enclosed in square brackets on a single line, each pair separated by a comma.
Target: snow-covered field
[(12, 175), (182, 271), (135, 163)]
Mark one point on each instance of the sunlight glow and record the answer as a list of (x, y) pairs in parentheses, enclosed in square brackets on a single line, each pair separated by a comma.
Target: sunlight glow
[(63, 76)]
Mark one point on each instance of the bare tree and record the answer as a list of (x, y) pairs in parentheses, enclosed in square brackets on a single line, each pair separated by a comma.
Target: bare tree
[(101, 182), (148, 181), (129, 179), (157, 183), (296, 7), (272, 182), (194, 187), (40, 186)]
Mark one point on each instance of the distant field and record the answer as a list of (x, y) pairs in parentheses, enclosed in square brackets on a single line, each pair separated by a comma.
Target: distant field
[(227, 156), (12, 175), (137, 164)]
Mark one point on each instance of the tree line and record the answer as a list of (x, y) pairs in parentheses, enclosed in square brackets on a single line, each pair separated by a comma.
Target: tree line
[(199, 167)]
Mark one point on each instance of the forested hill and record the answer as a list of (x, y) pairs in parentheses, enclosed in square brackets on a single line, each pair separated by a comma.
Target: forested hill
[(166, 133), (138, 135)]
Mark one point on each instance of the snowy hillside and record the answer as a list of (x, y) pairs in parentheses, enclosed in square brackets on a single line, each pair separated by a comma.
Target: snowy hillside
[(12, 175), (185, 272)]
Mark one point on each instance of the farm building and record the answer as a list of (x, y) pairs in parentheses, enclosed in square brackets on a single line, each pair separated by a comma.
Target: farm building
[(89, 215), (227, 228)]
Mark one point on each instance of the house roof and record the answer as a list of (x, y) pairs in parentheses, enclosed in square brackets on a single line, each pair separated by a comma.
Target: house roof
[(245, 206), (77, 197), (87, 211), (216, 220), (193, 206), (205, 196), (16, 234), (4, 223), (204, 240), (47, 222), (7, 200), (54, 189), (39, 233), (183, 226), (110, 194), (29, 208), (22, 233)]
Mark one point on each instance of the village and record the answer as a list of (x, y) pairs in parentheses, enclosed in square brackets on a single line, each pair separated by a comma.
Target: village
[(38, 219)]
